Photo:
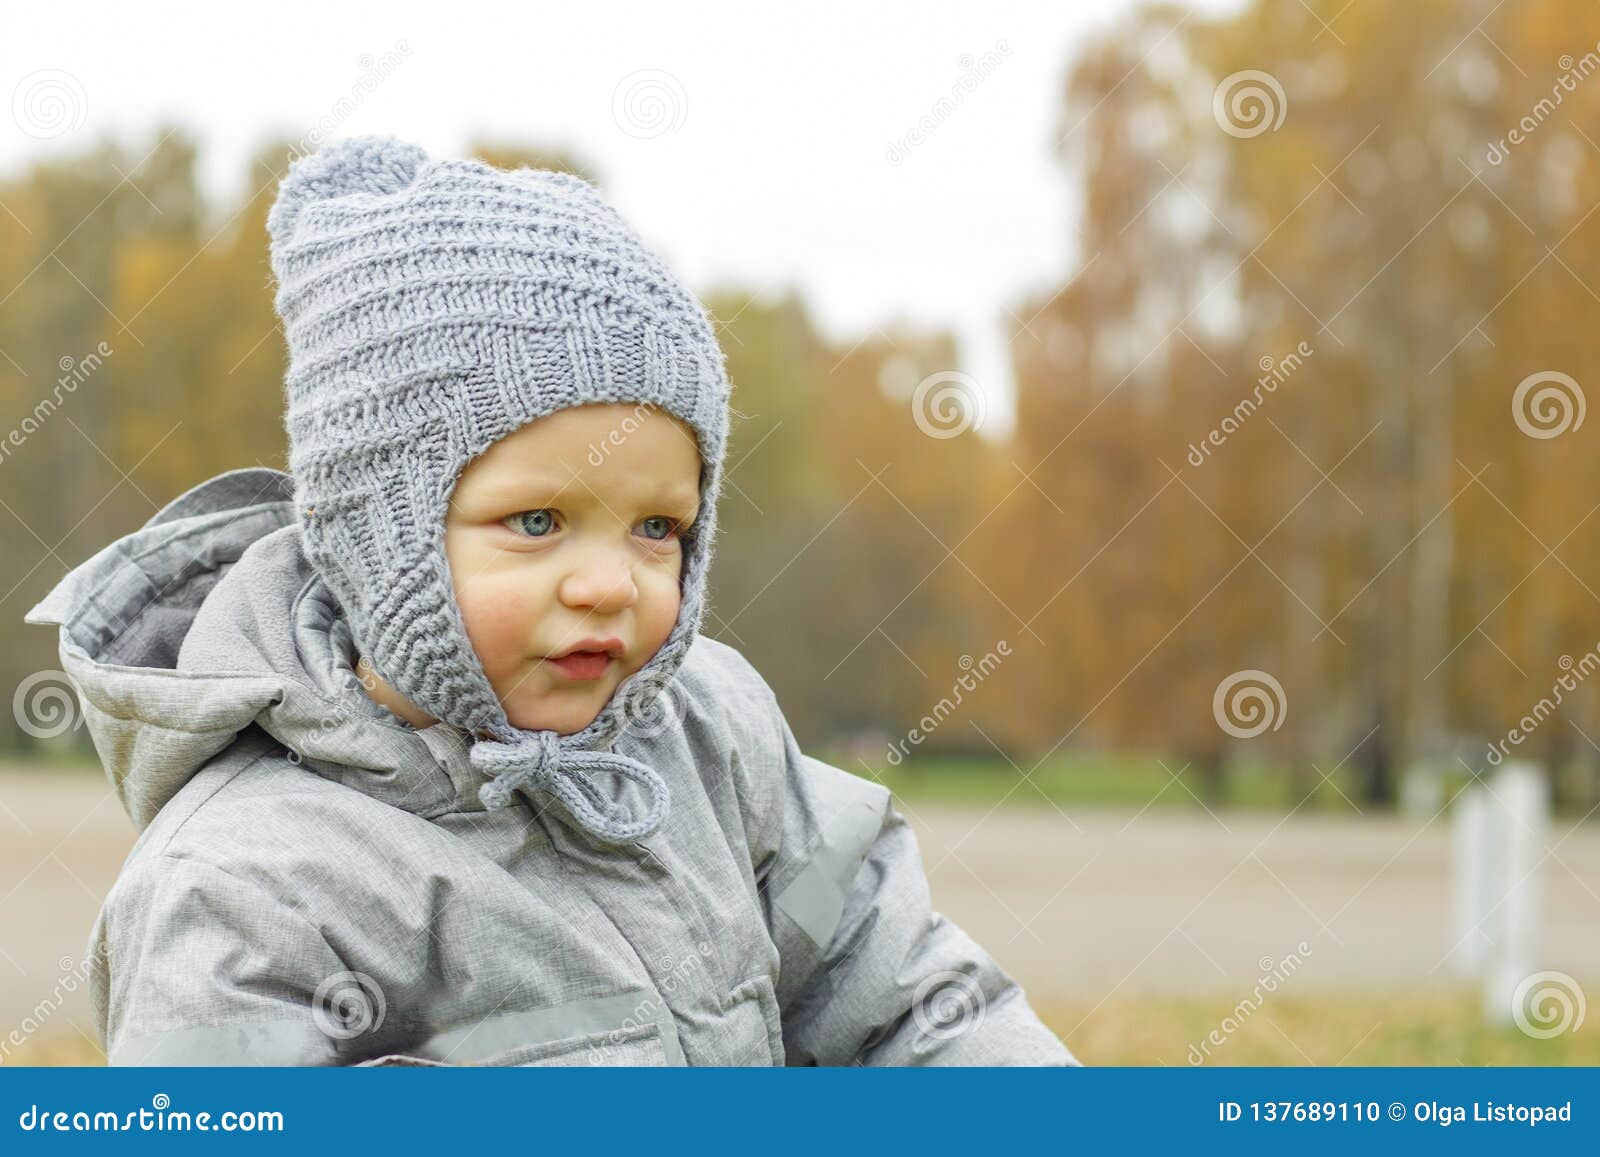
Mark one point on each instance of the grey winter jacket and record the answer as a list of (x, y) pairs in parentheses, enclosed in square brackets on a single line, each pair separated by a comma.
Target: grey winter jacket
[(316, 882)]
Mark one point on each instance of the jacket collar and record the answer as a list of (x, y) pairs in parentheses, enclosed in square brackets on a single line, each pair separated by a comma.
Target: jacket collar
[(174, 637)]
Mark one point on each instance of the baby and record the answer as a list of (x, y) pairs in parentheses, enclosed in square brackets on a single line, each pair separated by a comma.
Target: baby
[(430, 761)]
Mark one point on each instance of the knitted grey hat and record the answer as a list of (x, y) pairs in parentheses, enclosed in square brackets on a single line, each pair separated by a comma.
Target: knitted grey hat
[(431, 308)]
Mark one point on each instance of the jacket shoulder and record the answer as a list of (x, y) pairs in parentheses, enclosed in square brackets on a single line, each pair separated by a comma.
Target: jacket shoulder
[(713, 661), (254, 812), (722, 680), (727, 695)]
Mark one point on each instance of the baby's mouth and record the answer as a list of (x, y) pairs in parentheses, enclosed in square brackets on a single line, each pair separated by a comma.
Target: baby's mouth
[(582, 665)]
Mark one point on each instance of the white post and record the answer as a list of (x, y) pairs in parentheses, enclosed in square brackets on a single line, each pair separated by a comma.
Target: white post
[(1472, 845), (1521, 799)]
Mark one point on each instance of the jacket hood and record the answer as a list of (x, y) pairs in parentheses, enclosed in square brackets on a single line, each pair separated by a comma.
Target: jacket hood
[(210, 620)]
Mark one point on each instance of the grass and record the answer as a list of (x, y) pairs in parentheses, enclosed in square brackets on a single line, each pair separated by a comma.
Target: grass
[(1127, 781), (1136, 781), (1431, 1028), (1436, 1029)]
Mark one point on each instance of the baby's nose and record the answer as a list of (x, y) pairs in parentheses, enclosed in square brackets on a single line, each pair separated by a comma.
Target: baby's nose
[(600, 584)]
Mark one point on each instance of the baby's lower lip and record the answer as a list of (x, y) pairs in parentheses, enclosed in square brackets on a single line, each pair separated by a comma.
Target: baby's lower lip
[(584, 665)]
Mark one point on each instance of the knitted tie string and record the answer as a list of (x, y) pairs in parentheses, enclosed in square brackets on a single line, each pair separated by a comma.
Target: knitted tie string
[(540, 762)]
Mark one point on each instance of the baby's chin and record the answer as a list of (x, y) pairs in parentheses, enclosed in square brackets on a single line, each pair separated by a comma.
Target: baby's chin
[(563, 706), (566, 711)]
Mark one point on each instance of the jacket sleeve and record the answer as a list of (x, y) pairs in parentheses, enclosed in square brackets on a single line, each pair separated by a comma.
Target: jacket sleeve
[(869, 973), (191, 965)]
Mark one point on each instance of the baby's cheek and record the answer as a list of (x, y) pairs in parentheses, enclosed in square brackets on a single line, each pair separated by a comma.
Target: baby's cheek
[(499, 618), (663, 599)]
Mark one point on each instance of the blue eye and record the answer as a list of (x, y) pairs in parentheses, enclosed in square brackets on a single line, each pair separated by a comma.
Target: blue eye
[(665, 525), (534, 523)]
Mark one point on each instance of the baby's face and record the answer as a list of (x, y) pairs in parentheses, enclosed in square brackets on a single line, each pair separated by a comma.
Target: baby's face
[(567, 533)]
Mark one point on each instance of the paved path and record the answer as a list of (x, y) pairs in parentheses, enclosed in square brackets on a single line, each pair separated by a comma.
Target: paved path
[(1182, 902)]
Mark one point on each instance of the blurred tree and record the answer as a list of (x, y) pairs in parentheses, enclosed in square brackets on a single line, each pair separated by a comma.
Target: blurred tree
[(1320, 173)]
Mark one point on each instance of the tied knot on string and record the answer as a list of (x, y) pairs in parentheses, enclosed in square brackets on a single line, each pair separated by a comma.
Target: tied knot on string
[(539, 761)]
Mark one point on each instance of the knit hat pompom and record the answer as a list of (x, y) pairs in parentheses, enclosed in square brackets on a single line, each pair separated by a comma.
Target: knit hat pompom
[(373, 164)]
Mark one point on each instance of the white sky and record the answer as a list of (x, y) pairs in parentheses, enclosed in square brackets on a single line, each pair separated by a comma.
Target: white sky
[(773, 169)]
